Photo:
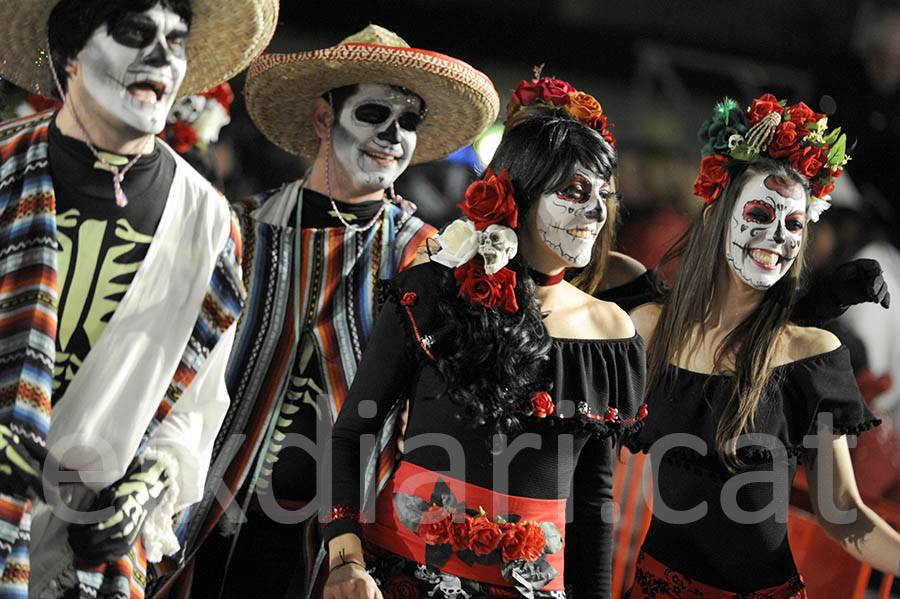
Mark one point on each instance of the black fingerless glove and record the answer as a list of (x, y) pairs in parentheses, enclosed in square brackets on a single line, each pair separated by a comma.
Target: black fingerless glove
[(853, 282), (20, 465)]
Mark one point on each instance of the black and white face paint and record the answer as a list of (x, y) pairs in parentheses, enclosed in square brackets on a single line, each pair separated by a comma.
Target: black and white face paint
[(766, 229), (570, 217), (374, 136), (135, 70)]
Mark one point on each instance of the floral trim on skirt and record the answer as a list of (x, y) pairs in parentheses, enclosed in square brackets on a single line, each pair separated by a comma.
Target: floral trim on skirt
[(400, 578), (655, 580)]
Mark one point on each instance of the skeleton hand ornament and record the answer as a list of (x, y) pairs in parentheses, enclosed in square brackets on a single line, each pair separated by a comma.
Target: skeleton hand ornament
[(132, 499), (497, 245)]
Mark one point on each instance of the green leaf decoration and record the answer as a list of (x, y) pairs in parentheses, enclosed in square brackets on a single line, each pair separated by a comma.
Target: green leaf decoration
[(467, 556), (490, 559), (409, 510), (514, 518), (443, 496), (838, 150), (832, 137), (744, 152), (436, 556), (552, 537), (782, 103)]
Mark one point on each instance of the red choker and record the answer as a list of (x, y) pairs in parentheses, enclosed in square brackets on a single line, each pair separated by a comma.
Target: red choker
[(544, 280)]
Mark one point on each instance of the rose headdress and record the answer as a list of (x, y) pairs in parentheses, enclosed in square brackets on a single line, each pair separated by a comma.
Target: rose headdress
[(559, 95), (768, 127), (479, 246)]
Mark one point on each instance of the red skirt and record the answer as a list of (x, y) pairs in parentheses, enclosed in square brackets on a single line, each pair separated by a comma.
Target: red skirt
[(654, 580)]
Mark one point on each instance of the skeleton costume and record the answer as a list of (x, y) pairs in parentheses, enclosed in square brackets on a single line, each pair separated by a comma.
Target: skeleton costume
[(90, 375), (311, 265)]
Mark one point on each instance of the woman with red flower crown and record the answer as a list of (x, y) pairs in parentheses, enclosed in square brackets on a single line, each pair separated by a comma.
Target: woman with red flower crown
[(518, 385), (736, 391)]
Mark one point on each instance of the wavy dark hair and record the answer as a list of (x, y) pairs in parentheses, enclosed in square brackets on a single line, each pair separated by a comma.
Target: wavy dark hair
[(493, 360), (688, 305), (73, 22)]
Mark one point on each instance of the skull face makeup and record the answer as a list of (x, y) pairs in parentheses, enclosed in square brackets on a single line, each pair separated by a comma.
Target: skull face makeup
[(374, 135), (570, 218), (135, 70), (766, 229)]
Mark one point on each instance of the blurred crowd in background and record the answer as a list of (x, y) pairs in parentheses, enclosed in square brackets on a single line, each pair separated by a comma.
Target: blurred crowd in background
[(656, 66)]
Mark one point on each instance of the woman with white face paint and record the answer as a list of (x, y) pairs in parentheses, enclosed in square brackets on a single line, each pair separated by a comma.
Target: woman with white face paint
[(520, 382), (741, 383)]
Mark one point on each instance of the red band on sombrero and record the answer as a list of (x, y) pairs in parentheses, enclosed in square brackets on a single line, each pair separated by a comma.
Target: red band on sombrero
[(390, 533), (653, 579)]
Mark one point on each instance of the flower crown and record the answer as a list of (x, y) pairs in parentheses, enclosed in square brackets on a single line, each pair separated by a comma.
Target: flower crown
[(559, 94), (479, 246), (795, 134)]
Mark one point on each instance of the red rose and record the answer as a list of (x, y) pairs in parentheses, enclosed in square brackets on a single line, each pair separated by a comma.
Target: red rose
[(484, 535), (183, 137), (459, 532), (808, 160), (819, 190), (583, 106), (555, 91), (527, 92), (762, 106), (787, 135), (400, 586), (434, 528), (522, 542), (802, 114), (712, 178), (491, 291), (222, 94), (490, 201), (542, 404), (534, 542)]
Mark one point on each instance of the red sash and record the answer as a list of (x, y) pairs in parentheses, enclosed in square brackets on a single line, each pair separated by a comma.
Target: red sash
[(390, 533), (653, 579)]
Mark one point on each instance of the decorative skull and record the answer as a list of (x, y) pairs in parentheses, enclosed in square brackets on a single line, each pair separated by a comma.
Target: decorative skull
[(450, 586), (427, 574), (497, 245), (187, 109)]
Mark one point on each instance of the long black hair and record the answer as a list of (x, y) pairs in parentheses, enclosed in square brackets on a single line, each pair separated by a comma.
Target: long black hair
[(73, 22), (494, 360)]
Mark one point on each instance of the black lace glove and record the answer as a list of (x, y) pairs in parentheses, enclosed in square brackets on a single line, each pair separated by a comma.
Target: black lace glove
[(20, 465), (851, 283), (132, 499)]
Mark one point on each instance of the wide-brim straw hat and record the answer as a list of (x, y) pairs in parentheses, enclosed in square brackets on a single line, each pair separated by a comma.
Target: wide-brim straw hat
[(281, 90), (225, 36)]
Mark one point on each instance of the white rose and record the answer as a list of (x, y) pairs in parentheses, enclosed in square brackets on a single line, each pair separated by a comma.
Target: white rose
[(210, 122), (817, 207), (459, 242), (497, 245)]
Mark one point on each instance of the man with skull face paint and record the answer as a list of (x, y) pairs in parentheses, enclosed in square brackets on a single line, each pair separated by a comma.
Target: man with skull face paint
[(106, 234), (362, 111), (725, 361)]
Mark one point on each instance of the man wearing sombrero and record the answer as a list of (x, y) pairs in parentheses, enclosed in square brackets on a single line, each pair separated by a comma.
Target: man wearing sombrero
[(119, 286), (361, 112)]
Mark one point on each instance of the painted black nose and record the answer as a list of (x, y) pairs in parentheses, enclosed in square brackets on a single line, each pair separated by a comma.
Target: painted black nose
[(158, 57), (778, 237), (391, 134)]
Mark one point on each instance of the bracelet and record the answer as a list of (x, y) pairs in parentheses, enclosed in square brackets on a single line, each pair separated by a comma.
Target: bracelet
[(346, 563)]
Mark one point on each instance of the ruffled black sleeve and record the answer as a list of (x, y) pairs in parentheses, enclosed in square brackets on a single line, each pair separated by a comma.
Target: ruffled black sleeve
[(823, 389)]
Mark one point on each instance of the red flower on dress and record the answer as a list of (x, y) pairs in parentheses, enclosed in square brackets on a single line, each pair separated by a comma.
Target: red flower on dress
[(712, 178), (183, 137), (491, 291), (459, 530), (522, 542), (490, 201), (435, 525), (542, 404), (484, 535)]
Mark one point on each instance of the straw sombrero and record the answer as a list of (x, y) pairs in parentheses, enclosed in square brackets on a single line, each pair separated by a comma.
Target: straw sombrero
[(281, 90), (225, 36)]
